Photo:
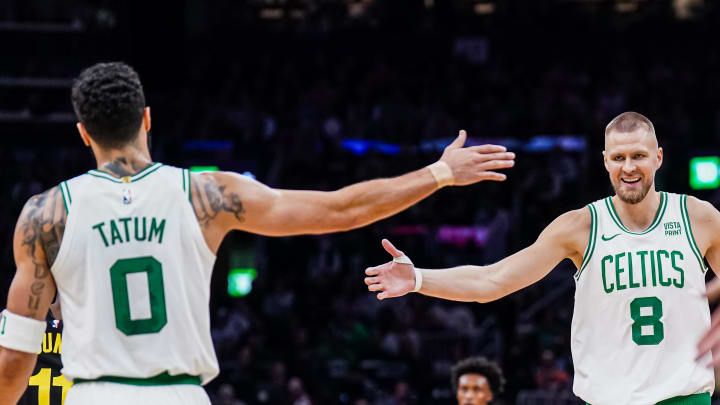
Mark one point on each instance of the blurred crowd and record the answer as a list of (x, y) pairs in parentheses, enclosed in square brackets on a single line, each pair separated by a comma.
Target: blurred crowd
[(279, 102)]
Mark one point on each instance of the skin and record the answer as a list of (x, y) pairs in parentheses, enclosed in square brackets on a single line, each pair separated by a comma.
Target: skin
[(222, 202), (473, 389), (627, 156)]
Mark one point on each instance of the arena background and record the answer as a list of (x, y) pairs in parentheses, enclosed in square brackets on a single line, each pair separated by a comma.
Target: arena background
[(322, 93)]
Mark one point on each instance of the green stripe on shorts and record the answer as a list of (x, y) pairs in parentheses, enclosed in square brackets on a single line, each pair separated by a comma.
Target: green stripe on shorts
[(695, 399), (160, 379)]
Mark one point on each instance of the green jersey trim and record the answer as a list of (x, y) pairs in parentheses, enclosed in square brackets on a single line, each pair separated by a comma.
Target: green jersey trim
[(67, 198), (186, 183), (656, 221), (591, 241), (160, 379), (135, 177), (689, 233)]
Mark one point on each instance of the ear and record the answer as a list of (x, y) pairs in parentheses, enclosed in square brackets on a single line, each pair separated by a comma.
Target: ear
[(146, 119), (660, 157), (83, 133), (605, 161)]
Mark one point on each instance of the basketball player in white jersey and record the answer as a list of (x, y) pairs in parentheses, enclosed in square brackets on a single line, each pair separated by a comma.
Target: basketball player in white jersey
[(640, 306), (130, 248)]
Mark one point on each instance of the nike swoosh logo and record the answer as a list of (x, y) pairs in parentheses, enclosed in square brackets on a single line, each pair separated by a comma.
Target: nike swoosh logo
[(610, 238)]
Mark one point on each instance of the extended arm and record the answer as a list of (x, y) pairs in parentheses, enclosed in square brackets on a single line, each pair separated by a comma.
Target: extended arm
[(36, 243), (705, 223), (563, 238), (225, 201)]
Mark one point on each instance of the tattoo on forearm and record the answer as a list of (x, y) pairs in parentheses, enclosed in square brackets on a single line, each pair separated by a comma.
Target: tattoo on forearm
[(211, 199), (42, 225)]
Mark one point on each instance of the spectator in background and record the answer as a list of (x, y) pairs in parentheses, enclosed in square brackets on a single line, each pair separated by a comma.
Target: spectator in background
[(476, 381), (549, 376)]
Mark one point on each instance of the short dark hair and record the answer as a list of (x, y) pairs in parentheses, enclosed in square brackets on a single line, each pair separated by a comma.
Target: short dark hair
[(479, 365), (108, 99), (628, 122)]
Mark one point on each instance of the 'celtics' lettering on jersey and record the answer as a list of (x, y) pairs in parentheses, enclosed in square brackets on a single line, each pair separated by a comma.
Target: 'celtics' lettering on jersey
[(124, 230), (642, 268), (640, 309)]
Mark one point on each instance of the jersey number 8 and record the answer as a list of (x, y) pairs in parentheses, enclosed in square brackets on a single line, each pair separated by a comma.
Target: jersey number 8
[(649, 321)]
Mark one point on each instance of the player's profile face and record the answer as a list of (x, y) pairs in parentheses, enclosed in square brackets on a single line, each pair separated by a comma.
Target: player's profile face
[(631, 159), (473, 389)]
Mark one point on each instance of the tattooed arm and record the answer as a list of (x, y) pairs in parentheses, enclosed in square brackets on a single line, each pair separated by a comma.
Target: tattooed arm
[(36, 243)]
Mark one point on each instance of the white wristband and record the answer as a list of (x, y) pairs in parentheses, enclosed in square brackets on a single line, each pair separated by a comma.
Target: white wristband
[(443, 174), (418, 275), (418, 279), (21, 333)]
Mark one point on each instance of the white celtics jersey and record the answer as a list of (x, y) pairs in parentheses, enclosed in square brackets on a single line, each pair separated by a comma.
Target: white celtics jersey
[(640, 309), (133, 275)]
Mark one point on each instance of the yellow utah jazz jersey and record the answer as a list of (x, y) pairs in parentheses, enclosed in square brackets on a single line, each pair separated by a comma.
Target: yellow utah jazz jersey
[(47, 386)]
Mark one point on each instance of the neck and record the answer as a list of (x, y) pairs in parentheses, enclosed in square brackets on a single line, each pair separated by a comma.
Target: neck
[(638, 217), (125, 161)]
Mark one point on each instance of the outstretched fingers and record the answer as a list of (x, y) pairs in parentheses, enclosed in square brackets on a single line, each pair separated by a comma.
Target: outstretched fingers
[(390, 248), (485, 149), (459, 141), (493, 176)]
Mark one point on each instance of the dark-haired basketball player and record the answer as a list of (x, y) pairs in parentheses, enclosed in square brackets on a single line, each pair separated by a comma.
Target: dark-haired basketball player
[(131, 245)]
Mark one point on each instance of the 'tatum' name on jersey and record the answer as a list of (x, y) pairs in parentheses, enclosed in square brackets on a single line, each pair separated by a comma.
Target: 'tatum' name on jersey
[(641, 269), (128, 229)]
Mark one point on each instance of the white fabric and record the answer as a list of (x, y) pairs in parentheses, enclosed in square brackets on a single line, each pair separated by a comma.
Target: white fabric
[(21, 333), (93, 343), (418, 280), (107, 393), (611, 367)]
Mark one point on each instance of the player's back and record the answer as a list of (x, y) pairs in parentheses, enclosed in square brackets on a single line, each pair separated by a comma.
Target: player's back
[(133, 275)]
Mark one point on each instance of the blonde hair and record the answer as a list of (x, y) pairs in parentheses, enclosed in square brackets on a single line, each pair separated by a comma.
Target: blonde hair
[(628, 122)]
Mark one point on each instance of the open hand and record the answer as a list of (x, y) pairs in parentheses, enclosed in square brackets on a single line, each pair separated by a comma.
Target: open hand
[(476, 163), (711, 340), (391, 279)]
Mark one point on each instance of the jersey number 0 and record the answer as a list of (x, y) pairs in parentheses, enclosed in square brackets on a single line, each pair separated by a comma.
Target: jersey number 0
[(121, 292)]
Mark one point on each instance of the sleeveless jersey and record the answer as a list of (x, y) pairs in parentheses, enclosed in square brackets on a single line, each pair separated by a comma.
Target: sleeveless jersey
[(640, 309), (133, 276)]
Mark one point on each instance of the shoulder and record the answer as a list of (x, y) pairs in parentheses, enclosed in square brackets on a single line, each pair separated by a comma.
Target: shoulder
[(570, 230), (41, 207), (573, 221), (704, 217), (701, 210), (42, 223)]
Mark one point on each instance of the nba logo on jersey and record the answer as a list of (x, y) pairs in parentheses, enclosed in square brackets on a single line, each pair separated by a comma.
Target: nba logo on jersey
[(56, 324), (127, 196)]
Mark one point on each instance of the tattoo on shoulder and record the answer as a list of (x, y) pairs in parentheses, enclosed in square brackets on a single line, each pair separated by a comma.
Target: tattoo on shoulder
[(210, 199), (41, 226)]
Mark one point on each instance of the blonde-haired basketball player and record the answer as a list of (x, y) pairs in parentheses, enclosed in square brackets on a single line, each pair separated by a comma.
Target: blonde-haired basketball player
[(640, 305), (130, 248)]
